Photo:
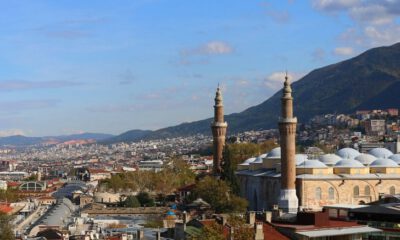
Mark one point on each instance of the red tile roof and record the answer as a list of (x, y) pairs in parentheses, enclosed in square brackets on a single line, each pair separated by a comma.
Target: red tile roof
[(271, 233), (5, 208)]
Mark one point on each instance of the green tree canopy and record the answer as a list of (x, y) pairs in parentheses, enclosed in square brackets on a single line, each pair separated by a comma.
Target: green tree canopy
[(218, 194)]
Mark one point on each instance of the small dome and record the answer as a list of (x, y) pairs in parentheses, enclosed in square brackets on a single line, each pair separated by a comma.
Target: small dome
[(258, 160), (329, 159), (365, 158), (348, 163), (248, 161), (384, 162), (300, 158), (348, 153), (380, 152), (263, 155), (311, 164), (274, 153), (395, 157)]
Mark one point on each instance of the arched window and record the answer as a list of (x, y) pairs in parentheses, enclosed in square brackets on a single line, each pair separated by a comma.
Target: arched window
[(367, 191), (356, 191), (318, 193), (331, 192), (392, 190)]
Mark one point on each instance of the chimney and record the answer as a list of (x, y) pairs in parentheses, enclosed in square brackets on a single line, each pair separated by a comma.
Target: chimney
[(231, 233), (259, 231), (267, 216), (158, 235), (251, 217), (140, 234), (185, 217), (224, 219)]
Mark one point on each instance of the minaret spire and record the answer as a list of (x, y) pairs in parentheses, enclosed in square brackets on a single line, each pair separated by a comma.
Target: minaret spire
[(287, 128), (218, 128)]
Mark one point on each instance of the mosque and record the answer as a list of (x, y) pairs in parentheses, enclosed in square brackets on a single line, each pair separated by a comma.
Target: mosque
[(294, 182)]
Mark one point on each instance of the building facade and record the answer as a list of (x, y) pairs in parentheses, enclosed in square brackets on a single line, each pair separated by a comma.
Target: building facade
[(347, 177)]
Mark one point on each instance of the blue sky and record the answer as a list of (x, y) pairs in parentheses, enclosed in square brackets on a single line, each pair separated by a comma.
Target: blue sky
[(111, 66)]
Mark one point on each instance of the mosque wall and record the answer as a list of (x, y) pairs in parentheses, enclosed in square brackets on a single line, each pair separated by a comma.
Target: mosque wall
[(263, 192)]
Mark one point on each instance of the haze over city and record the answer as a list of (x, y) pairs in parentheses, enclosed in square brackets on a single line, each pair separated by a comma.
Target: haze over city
[(70, 67)]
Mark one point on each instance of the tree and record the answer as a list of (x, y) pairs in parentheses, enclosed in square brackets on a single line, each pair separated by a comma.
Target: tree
[(241, 231), (236, 153), (145, 199), (131, 202), (6, 232), (218, 194), (214, 231), (183, 174), (8, 195)]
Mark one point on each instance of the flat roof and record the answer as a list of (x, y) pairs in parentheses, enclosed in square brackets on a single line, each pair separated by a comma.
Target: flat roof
[(337, 231)]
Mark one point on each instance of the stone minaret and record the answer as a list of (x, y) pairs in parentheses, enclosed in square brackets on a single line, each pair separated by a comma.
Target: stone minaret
[(287, 128), (218, 128)]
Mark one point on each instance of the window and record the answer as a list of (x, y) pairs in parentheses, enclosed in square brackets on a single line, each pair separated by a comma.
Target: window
[(318, 193), (367, 191), (392, 190), (356, 191), (331, 193)]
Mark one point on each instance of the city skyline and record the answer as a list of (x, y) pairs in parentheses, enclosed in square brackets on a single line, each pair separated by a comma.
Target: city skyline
[(78, 67)]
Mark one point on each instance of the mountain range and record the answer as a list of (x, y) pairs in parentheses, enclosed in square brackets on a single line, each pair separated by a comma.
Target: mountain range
[(19, 140), (370, 80)]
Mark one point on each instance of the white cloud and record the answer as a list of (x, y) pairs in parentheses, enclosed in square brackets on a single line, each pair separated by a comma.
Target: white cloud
[(275, 80), (11, 132), (375, 22), (209, 48), (217, 47), (373, 14), (343, 51), (333, 5)]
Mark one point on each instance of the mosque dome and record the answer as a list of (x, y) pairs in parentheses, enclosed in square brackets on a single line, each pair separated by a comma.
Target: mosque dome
[(258, 160), (384, 162), (348, 163), (274, 153), (329, 159), (248, 161), (300, 158), (395, 157), (348, 153), (311, 164), (263, 155), (380, 152), (365, 158), (170, 215)]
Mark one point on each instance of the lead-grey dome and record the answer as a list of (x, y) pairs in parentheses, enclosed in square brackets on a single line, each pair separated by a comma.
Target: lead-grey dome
[(248, 161), (365, 158), (348, 153), (395, 157), (263, 155), (311, 164), (329, 159), (258, 160), (384, 162), (274, 153), (348, 163), (380, 152), (300, 158)]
